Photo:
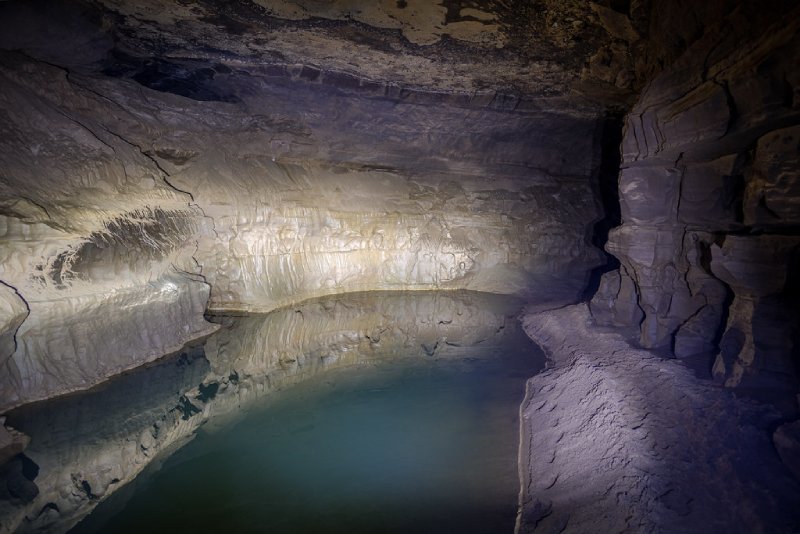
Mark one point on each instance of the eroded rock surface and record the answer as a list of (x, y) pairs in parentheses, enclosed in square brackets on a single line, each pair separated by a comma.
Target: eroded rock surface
[(156, 155), (709, 180)]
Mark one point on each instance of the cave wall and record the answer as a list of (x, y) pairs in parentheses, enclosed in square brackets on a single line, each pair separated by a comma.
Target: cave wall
[(709, 193), (152, 171), (95, 244)]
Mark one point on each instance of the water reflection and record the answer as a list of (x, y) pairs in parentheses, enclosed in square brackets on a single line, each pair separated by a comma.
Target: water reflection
[(452, 364)]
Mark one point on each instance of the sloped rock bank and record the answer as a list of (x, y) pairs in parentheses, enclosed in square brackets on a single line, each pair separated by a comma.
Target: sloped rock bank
[(616, 439)]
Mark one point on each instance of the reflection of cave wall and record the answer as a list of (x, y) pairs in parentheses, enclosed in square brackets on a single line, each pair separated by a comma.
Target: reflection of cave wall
[(89, 446), (708, 191)]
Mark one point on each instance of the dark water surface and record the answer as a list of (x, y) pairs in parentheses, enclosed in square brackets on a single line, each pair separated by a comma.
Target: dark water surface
[(398, 415)]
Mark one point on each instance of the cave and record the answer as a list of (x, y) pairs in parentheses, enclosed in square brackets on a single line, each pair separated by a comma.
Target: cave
[(560, 239)]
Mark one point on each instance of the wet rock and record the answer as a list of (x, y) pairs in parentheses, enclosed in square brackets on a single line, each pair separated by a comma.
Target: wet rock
[(90, 445)]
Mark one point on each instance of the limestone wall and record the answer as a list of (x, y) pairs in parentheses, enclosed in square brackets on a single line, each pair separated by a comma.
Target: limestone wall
[(709, 192), (126, 212)]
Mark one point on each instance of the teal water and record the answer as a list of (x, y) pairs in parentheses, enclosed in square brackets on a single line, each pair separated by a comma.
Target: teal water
[(370, 412), (417, 445)]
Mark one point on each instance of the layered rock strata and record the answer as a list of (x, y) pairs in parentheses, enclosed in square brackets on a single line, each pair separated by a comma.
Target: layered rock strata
[(708, 191), (155, 169)]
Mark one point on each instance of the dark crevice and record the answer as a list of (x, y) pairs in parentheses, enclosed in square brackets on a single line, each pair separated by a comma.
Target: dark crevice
[(791, 295), (723, 323), (30, 469), (27, 307), (788, 94), (186, 408), (49, 506), (207, 391), (733, 110), (607, 185), (733, 186), (87, 489)]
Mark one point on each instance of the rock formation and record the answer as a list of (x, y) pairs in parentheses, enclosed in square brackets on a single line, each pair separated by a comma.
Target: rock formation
[(616, 438), (162, 160), (708, 191), (246, 158)]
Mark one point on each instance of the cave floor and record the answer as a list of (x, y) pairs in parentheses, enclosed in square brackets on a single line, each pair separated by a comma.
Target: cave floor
[(619, 439)]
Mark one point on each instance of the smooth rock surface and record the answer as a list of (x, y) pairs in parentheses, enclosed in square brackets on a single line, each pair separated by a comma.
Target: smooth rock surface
[(280, 153)]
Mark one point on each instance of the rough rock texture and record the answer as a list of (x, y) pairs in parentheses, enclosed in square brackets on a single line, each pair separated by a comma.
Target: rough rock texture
[(617, 439), (258, 155), (12, 442), (708, 193), (160, 159), (13, 311), (88, 446)]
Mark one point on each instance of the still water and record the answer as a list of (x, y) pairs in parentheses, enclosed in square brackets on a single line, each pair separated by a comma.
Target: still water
[(392, 413)]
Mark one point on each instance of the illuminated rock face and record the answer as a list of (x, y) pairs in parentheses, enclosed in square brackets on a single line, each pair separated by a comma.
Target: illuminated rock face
[(258, 154), (326, 232), (138, 191), (162, 159), (218, 208)]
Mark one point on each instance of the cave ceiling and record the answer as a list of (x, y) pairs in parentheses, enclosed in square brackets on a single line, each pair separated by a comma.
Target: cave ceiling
[(502, 90), (570, 57)]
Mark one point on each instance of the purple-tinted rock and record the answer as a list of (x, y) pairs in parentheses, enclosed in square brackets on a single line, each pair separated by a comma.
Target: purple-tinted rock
[(615, 303), (787, 442), (696, 335), (708, 194), (772, 196), (754, 265), (649, 195)]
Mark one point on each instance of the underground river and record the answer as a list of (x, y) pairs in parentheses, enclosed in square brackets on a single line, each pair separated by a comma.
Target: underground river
[(389, 412)]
